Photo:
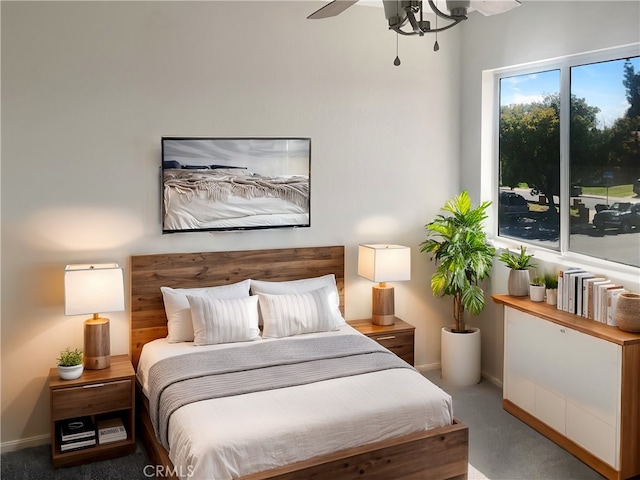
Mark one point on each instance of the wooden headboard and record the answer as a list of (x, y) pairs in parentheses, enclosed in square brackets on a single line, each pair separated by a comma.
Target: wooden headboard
[(189, 270)]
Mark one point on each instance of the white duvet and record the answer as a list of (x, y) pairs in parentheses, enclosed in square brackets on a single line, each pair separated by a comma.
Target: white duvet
[(230, 437)]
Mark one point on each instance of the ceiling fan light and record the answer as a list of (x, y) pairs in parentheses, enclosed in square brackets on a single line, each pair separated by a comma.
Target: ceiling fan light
[(396, 21), (495, 7), (425, 25), (458, 8)]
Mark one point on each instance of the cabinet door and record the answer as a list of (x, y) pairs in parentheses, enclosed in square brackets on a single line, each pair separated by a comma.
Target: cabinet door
[(593, 374), (533, 378), (519, 358), (592, 389)]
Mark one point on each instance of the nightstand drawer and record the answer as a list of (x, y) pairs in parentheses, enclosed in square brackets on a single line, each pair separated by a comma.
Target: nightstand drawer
[(91, 399), (399, 343)]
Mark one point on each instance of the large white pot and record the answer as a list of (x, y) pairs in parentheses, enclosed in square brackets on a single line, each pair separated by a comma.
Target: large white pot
[(460, 356)]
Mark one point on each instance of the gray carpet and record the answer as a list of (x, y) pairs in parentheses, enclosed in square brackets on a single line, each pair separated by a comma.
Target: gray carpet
[(501, 448), (35, 464)]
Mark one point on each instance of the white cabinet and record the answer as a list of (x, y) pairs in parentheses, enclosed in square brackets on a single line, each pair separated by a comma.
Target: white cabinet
[(576, 381), (566, 379)]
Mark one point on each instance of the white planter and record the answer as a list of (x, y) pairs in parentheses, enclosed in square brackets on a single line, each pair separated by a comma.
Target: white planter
[(519, 283), (460, 356), (536, 293), (70, 373), (552, 296)]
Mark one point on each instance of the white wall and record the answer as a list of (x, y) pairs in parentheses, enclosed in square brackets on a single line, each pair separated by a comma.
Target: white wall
[(88, 89), (537, 30)]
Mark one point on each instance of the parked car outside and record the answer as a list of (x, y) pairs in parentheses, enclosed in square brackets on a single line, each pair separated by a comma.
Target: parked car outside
[(624, 216), (512, 203)]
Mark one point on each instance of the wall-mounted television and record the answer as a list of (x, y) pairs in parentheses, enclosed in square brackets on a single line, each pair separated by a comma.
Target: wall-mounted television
[(211, 184)]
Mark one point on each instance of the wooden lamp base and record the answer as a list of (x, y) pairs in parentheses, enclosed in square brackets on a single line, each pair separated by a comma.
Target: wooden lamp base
[(97, 343), (383, 306)]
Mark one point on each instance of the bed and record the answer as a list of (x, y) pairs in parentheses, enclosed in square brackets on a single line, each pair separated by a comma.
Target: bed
[(411, 451), (227, 198)]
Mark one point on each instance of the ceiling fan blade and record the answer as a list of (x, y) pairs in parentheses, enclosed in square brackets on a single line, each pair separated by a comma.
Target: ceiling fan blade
[(494, 7), (332, 9)]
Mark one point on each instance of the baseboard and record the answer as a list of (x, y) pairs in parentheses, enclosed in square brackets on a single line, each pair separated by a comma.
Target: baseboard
[(428, 367), (14, 445), (496, 381), (436, 366)]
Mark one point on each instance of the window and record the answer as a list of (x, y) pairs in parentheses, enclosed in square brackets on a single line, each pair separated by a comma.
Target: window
[(569, 155), (530, 157)]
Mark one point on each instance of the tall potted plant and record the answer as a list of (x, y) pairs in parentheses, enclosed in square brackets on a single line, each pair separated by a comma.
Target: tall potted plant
[(464, 257)]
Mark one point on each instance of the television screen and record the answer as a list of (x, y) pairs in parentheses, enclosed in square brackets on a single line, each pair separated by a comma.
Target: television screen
[(235, 183)]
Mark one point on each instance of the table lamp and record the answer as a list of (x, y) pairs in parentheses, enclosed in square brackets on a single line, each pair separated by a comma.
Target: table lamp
[(91, 289), (384, 263)]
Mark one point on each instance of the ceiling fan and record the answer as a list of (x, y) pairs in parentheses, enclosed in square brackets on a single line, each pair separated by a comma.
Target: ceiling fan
[(401, 13)]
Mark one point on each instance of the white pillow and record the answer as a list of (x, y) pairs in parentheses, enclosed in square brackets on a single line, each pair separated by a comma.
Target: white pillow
[(228, 320), (296, 313), (303, 286), (176, 306)]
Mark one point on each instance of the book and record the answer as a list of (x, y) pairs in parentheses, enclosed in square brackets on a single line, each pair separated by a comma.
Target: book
[(580, 278), (111, 430), (563, 287), (613, 301), (600, 308), (559, 292), (594, 298), (75, 444), (587, 292), (570, 290), (77, 428), (606, 303)]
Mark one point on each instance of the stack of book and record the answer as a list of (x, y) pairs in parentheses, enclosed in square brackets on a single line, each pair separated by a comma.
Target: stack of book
[(77, 433), (111, 430), (587, 295)]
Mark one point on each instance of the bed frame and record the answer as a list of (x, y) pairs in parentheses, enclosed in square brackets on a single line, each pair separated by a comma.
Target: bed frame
[(439, 453)]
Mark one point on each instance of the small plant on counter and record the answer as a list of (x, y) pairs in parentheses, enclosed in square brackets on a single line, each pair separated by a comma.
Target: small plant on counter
[(538, 281), (551, 281), (70, 358), (520, 261)]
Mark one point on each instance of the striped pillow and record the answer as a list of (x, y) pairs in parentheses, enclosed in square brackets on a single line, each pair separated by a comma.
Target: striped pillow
[(303, 286), (296, 313), (176, 306), (228, 320)]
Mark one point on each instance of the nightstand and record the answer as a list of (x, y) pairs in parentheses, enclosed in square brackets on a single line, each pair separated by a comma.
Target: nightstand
[(399, 337), (98, 393)]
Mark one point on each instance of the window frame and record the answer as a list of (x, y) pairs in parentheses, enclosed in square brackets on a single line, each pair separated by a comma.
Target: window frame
[(490, 131)]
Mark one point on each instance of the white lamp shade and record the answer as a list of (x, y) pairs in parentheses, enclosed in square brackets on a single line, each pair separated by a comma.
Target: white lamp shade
[(384, 263), (93, 289)]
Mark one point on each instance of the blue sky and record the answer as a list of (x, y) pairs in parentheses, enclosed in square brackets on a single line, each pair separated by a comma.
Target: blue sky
[(600, 84)]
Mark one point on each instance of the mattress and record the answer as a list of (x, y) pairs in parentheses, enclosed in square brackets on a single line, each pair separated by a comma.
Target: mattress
[(229, 437)]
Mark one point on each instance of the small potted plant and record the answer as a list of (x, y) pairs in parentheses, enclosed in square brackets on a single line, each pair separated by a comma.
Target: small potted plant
[(536, 289), (519, 274), (551, 284), (70, 364)]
